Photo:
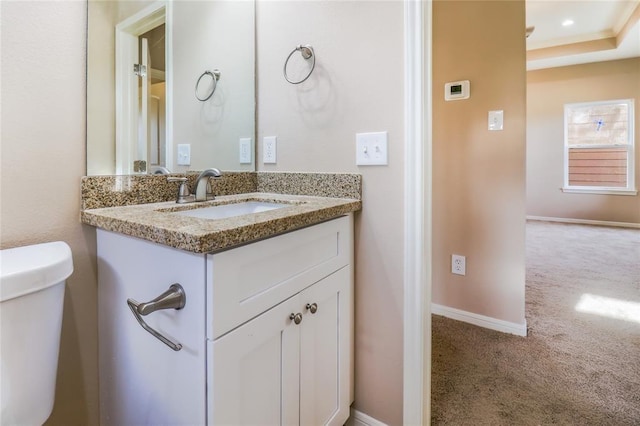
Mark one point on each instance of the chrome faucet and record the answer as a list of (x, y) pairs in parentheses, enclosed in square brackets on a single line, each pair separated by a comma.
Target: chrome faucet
[(203, 189)]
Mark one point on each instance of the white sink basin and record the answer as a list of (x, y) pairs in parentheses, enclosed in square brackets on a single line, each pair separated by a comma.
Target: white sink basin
[(230, 210)]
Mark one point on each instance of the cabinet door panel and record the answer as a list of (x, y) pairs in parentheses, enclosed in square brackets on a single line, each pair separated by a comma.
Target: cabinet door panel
[(325, 351), (255, 371)]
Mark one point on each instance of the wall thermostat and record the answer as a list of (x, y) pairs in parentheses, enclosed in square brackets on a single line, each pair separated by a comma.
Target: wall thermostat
[(457, 90)]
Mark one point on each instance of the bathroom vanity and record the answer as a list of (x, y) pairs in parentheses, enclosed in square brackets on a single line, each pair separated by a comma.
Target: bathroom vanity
[(266, 332)]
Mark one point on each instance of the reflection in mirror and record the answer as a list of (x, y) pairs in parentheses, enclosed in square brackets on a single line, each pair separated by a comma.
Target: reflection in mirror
[(156, 141), (143, 61)]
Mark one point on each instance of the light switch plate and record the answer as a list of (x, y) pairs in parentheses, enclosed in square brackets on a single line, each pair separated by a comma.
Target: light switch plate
[(371, 149), (269, 147), (184, 154), (496, 120), (245, 150)]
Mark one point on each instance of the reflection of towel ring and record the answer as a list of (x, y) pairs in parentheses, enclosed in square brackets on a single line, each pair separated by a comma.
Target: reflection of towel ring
[(307, 52), (215, 76)]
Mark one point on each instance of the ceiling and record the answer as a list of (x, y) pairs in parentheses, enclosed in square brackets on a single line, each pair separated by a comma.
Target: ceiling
[(602, 30)]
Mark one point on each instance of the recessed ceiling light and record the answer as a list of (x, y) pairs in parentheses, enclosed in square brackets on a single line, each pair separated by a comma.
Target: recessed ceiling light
[(567, 22)]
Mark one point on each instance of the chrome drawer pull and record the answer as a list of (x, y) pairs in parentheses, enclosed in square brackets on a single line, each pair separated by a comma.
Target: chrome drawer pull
[(174, 298), (312, 307)]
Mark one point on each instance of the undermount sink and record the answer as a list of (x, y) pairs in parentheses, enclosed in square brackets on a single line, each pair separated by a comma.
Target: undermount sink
[(230, 210)]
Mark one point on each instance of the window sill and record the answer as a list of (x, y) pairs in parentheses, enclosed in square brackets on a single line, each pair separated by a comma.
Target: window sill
[(601, 191)]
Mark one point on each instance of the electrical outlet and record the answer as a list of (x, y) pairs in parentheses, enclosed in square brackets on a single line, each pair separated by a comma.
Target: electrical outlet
[(458, 264), (269, 145)]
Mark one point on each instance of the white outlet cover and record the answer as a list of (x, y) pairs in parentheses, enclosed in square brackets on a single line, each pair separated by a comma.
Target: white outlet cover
[(184, 154), (371, 149), (458, 264)]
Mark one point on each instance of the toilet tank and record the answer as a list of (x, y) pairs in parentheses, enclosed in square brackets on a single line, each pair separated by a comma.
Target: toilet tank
[(31, 299)]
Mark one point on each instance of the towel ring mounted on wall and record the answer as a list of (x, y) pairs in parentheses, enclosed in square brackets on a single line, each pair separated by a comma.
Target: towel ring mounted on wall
[(307, 53), (215, 76)]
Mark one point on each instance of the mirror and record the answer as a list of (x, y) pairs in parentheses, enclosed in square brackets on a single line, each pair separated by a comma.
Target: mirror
[(144, 108)]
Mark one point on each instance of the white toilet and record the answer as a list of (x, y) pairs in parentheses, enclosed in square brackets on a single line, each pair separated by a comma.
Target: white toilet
[(31, 297)]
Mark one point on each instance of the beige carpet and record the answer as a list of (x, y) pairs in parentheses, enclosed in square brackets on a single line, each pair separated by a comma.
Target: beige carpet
[(574, 368)]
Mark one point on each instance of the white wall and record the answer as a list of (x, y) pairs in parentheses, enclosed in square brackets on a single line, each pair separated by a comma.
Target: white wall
[(357, 86), (43, 158)]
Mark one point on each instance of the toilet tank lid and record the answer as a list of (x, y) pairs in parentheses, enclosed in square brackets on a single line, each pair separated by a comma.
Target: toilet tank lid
[(27, 269)]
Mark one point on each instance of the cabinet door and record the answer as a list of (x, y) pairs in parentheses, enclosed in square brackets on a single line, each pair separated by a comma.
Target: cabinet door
[(255, 371), (326, 350)]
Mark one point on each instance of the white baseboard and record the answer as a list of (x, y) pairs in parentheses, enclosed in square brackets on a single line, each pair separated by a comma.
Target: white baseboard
[(480, 320), (359, 418), (585, 221)]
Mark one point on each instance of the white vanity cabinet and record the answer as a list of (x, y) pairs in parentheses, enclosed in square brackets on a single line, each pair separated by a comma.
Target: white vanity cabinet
[(266, 331)]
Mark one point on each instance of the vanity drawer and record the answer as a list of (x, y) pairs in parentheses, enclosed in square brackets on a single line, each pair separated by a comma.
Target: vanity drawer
[(249, 280)]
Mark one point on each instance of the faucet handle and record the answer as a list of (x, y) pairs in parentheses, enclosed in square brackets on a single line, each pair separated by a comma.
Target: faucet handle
[(184, 193)]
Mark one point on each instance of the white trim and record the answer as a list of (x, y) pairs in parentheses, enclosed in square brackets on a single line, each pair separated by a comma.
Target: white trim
[(358, 418), (599, 191), (585, 221), (144, 20), (480, 320), (168, 87), (417, 210), (126, 88), (126, 85)]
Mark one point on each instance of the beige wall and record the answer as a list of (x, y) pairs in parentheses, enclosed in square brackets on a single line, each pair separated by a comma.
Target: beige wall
[(357, 86), (43, 158), (479, 175), (547, 92)]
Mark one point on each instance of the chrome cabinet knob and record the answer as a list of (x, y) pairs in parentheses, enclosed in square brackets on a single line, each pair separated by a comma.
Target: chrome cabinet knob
[(296, 318), (312, 307)]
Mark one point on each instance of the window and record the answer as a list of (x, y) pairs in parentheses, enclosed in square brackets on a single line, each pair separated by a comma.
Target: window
[(599, 144)]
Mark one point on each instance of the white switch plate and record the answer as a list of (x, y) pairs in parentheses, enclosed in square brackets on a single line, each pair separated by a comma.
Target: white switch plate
[(371, 149), (269, 148), (496, 120), (245, 150), (184, 154)]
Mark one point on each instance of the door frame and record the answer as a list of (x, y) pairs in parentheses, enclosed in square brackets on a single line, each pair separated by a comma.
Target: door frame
[(417, 212), (126, 85)]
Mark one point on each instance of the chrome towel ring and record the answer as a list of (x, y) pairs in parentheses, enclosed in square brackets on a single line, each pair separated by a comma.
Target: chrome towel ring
[(307, 53), (215, 76)]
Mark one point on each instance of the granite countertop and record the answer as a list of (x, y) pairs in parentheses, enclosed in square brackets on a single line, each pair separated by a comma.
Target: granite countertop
[(158, 222)]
